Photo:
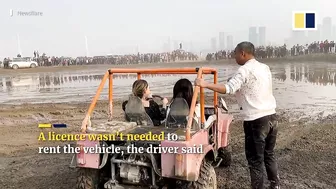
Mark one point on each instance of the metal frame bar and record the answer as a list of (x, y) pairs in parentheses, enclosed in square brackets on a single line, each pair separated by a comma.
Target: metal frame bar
[(109, 75)]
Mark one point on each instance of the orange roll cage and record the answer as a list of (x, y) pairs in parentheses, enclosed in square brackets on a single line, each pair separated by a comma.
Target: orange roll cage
[(199, 71)]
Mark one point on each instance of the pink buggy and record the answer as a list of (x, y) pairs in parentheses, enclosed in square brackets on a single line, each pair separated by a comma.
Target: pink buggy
[(157, 170)]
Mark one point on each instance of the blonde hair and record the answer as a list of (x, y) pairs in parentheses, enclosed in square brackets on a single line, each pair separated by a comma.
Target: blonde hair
[(139, 87)]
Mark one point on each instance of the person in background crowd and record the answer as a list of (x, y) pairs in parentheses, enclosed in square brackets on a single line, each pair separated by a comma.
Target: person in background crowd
[(262, 52), (178, 55)]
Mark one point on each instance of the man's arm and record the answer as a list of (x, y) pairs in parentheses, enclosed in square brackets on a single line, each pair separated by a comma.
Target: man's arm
[(233, 85), (216, 87), (236, 82)]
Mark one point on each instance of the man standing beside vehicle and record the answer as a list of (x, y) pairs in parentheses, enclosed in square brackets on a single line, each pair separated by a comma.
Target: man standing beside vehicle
[(252, 85)]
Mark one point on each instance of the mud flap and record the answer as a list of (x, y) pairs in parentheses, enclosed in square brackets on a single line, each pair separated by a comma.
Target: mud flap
[(74, 160), (86, 160)]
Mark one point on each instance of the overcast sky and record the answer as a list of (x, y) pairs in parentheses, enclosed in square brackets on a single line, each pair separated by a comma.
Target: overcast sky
[(118, 26)]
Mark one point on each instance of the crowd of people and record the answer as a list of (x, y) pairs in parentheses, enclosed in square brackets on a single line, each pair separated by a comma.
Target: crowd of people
[(261, 52), (280, 51), (174, 56), (315, 47)]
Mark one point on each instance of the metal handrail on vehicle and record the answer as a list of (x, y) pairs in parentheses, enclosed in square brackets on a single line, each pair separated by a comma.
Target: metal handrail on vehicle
[(197, 89)]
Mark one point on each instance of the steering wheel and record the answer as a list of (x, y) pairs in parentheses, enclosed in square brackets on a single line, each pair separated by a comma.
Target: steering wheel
[(156, 96)]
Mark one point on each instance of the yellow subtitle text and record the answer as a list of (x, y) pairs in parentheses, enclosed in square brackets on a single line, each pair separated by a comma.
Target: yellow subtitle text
[(52, 136)]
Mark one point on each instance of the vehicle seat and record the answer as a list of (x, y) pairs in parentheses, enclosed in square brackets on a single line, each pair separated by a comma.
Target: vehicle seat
[(135, 112), (177, 115), (178, 112)]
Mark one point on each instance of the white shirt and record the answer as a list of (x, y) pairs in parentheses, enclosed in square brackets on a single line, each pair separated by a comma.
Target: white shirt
[(252, 85)]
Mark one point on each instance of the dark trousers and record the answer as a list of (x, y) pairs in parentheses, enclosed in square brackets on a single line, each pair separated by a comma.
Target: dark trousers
[(260, 139)]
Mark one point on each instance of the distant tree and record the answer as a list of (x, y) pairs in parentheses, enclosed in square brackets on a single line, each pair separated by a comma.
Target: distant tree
[(19, 55)]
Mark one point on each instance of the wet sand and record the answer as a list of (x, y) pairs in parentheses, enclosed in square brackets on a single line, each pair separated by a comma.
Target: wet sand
[(305, 95)]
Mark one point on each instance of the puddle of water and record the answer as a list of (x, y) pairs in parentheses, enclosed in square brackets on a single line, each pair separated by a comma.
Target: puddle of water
[(296, 85), (306, 85)]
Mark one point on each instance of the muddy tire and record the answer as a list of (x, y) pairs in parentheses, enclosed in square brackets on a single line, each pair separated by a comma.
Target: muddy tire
[(225, 154), (87, 179), (33, 65), (207, 178), (170, 184)]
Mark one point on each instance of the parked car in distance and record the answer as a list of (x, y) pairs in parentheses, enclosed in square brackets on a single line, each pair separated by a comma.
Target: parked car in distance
[(17, 63)]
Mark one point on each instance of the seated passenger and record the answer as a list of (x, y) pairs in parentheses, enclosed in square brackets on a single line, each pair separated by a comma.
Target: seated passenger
[(183, 88), (140, 89)]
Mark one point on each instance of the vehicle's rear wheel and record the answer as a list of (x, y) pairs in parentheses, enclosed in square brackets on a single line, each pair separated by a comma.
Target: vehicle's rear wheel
[(32, 65), (169, 184), (225, 154), (15, 66), (87, 178), (207, 178)]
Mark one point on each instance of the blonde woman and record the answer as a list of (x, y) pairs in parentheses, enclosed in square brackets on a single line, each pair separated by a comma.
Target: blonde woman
[(141, 89)]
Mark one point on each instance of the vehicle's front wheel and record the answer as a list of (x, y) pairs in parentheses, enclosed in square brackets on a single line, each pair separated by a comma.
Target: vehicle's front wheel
[(32, 65), (87, 178), (15, 66), (207, 178)]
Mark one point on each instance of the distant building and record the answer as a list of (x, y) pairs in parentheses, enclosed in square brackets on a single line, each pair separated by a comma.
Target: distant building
[(176, 45), (165, 47), (319, 32), (287, 42), (313, 35), (213, 44), (262, 36), (190, 47), (229, 41), (326, 28), (169, 44), (253, 36), (221, 40), (298, 37)]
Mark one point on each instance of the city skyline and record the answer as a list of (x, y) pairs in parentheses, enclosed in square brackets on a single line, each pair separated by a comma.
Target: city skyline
[(126, 27), (326, 30)]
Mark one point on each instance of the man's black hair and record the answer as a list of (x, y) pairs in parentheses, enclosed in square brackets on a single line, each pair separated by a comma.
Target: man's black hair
[(246, 46)]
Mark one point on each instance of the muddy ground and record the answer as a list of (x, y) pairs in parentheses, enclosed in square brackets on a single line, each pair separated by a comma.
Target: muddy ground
[(305, 148)]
